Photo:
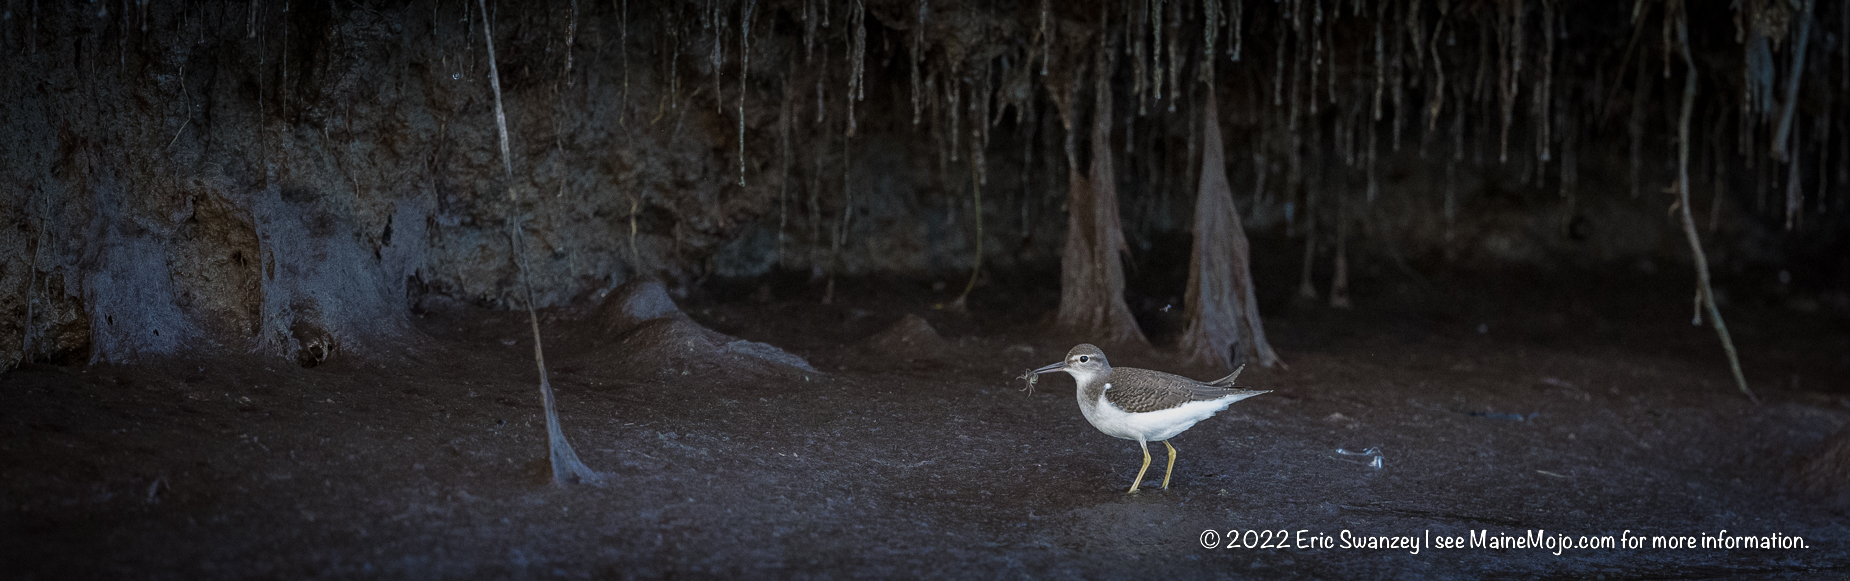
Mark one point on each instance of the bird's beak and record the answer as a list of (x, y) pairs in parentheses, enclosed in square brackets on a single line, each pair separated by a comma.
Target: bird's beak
[(1051, 368)]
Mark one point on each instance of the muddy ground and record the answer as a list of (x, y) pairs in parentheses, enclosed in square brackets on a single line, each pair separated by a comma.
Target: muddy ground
[(430, 462)]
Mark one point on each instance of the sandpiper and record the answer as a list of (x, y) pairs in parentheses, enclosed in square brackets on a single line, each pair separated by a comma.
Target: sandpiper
[(1143, 405)]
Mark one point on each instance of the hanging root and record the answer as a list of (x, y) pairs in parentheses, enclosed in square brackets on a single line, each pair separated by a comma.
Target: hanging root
[(1795, 195), (1437, 91), (571, 33), (1175, 55), (566, 468), (1210, 30), (857, 81), (1239, 38), (1156, 47), (623, 46), (1792, 83), (1397, 85), (979, 142), (1545, 93), (847, 217), (1689, 223), (1339, 277), (976, 188), (918, 45), (1139, 68), (745, 66), (1046, 40), (32, 273), (1510, 73), (783, 188), (1380, 60), (635, 253)]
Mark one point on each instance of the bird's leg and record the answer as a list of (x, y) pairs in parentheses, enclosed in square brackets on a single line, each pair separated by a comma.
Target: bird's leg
[(1172, 464), (1146, 465)]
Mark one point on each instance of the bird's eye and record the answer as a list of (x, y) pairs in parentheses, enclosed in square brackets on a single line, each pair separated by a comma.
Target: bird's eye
[(1083, 358)]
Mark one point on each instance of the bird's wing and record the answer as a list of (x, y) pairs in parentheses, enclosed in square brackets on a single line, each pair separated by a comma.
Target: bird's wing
[(1141, 390)]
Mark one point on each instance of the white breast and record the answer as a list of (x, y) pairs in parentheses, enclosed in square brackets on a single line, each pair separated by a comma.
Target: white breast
[(1148, 426)]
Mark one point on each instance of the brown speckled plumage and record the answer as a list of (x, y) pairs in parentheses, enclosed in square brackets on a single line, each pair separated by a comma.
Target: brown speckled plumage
[(1142, 390)]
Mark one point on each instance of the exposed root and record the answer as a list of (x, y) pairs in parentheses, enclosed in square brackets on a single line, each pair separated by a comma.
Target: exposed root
[(566, 468), (1689, 223)]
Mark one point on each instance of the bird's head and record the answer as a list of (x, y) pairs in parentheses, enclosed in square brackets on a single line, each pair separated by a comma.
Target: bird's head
[(1083, 362)]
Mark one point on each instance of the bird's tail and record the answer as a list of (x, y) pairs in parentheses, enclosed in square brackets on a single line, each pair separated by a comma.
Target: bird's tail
[(1228, 380)]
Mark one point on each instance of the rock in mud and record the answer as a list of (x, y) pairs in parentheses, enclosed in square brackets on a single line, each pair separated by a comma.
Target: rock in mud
[(912, 338), (654, 339), (633, 304)]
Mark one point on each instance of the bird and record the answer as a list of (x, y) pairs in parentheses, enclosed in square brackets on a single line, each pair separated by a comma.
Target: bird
[(1144, 405)]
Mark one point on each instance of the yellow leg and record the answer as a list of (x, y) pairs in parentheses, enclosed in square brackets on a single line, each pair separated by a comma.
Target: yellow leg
[(1146, 466), (1172, 464)]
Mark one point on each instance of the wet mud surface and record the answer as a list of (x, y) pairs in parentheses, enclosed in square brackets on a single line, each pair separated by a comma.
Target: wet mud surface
[(1496, 406)]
